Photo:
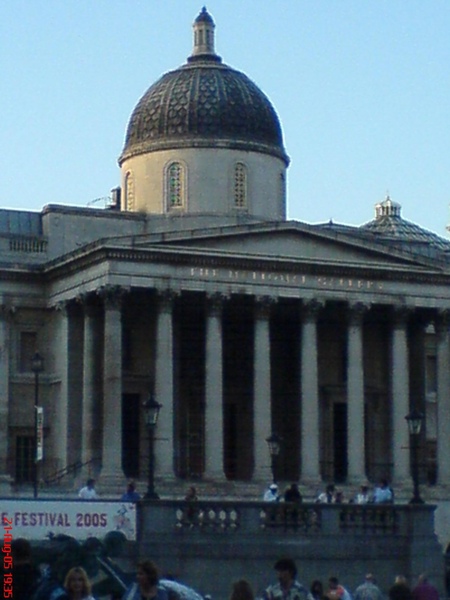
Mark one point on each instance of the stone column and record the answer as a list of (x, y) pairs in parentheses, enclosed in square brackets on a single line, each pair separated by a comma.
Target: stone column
[(112, 473), (400, 397), (164, 386), (443, 397), (262, 389), (88, 429), (355, 395), (5, 478), (310, 453), (214, 389), (63, 361)]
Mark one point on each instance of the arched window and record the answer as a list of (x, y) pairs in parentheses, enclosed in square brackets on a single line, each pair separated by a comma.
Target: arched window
[(175, 185), (129, 191), (240, 185)]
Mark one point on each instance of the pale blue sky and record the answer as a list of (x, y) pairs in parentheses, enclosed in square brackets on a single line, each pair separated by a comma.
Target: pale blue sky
[(362, 88)]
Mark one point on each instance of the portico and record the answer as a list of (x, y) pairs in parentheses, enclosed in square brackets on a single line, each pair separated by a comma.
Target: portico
[(235, 353)]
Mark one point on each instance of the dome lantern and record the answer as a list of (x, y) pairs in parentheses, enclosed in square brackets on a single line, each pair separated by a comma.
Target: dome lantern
[(204, 38)]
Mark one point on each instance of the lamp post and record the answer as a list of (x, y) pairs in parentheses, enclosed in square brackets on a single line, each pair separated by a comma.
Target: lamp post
[(151, 411), (414, 420), (37, 366), (274, 443)]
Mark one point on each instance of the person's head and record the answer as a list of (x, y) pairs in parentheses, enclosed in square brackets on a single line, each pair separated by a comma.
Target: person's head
[(242, 590), (333, 583), (131, 487), (330, 488), (273, 488), (77, 582), (286, 570), (383, 483), (370, 578), (316, 588), (364, 489), (423, 578), (21, 550), (401, 579), (90, 483), (147, 574), (192, 492)]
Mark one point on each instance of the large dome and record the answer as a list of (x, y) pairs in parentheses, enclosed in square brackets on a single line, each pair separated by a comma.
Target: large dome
[(204, 103)]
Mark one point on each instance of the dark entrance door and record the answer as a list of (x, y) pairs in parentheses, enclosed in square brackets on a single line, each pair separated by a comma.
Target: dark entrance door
[(340, 441), (130, 434)]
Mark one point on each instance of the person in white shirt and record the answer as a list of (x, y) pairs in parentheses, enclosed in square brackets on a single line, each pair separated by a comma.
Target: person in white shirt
[(88, 491), (363, 497), (271, 494)]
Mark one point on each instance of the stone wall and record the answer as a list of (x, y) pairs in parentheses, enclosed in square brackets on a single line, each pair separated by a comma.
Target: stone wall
[(208, 545)]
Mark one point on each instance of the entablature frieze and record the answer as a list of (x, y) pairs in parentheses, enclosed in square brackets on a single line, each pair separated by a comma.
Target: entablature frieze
[(258, 279)]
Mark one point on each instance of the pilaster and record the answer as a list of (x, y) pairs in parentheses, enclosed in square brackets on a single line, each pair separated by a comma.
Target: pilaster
[(5, 478)]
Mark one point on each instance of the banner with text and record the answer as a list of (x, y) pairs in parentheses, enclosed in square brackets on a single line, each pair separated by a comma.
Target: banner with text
[(81, 519)]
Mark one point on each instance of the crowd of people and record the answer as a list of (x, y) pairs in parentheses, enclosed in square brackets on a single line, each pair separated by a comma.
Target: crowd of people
[(381, 494), (148, 585)]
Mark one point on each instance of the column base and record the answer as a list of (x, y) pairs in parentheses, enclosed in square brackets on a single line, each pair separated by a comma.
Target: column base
[(111, 483)]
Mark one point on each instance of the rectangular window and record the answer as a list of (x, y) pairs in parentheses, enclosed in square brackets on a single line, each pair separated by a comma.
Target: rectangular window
[(24, 458), (27, 349)]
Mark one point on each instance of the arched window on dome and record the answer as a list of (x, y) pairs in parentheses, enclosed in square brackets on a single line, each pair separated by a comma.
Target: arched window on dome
[(175, 185), (129, 191), (240, 185)]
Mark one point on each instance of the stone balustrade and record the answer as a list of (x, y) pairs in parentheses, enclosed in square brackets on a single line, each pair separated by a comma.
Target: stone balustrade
[(208, 544)]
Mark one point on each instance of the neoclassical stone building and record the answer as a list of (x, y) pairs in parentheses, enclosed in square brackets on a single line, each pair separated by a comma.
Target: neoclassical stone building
[(193, 286)]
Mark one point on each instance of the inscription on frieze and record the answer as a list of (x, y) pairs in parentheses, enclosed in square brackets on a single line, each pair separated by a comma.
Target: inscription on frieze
[(293, 279)]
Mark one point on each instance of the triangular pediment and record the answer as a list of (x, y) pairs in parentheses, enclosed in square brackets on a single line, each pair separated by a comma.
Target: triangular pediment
[(296, 242)]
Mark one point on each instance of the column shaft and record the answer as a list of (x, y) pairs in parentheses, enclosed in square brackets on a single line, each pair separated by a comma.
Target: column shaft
[(443, 400), (112, 388), (310, 455), (355, 397), (63, 357), (262, 391), (88, 430), (164, 389), (400, 401), (214, 391)]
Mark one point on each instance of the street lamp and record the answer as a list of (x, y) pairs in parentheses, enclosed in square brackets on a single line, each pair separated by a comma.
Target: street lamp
[(37, 366), (414, 420), (151, 412), (274, 443)]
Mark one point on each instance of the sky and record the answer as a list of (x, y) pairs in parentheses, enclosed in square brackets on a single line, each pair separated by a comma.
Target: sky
[(362, 89)]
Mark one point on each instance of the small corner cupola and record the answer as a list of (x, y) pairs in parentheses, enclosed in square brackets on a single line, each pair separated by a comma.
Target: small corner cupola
[(204, 38), (387, 208)]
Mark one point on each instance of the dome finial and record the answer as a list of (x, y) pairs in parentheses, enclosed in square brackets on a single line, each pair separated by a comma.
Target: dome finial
[(204, 38)]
